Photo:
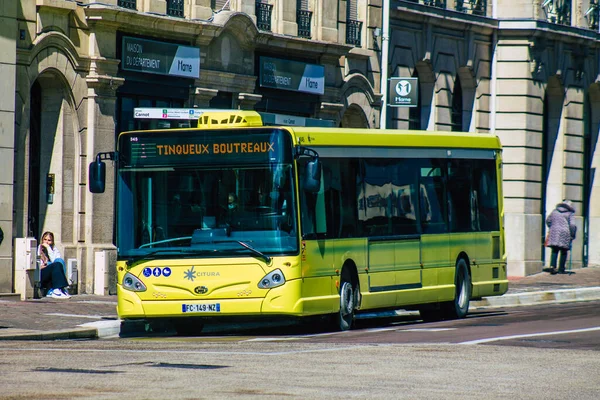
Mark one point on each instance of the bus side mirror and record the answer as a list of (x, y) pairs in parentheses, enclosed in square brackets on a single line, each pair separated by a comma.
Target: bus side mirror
[(312, 176), (97, 176)]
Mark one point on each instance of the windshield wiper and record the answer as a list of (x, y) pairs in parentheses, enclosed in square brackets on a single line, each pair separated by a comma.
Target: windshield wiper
[(148, 256), (252, 249), (153, 254), (166, 241)]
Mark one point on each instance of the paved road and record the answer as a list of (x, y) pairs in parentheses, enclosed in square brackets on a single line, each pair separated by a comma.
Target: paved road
[(572, 326), (523, 352)]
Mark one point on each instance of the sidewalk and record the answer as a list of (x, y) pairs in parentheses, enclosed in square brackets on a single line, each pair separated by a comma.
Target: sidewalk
[(90, 316)]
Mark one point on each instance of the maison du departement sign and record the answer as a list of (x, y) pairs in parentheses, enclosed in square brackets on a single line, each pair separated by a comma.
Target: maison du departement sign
[(403, 92), (153, 57), (292, 75)]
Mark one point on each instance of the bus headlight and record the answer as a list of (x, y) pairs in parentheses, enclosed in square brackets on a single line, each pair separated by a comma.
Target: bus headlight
[(131, 282), (272, 279)]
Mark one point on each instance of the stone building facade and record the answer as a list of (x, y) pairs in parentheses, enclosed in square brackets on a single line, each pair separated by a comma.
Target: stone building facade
[(528, 72), (73, 93)]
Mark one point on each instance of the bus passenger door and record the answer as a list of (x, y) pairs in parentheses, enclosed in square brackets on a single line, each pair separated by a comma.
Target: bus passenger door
[(438, 271), (409, 275)]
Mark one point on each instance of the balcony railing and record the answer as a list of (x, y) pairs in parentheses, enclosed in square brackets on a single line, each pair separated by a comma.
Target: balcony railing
[(475, 7), (558, 11), (593, 15), (353, 29), (434, 3), (263, 16), (303, 18), (131, 4), (175, 8)]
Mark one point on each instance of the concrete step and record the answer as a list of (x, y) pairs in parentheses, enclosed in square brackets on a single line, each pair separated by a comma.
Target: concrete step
[(10, 296)]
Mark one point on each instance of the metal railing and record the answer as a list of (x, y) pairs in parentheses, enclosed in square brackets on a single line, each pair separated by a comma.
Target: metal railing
[(130, 4), (353, 29), (263, 16), (434, 3), (558, 11), (175, 8), (303, 18), (475, 7)]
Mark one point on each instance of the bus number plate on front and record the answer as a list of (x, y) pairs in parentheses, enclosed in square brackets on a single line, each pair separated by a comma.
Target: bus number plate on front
[(199, 308)]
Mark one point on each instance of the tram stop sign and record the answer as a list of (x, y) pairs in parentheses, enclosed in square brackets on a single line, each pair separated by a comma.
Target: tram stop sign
[(403, 92)]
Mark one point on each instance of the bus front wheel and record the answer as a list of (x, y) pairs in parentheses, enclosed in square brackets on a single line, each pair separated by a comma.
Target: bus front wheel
[(345, 317)]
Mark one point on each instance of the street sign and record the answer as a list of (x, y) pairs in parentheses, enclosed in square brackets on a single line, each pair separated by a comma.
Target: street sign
[(167, 113), (403, 92)]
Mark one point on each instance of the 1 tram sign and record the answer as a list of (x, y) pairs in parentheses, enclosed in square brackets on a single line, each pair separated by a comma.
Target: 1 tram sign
[(403, 92)]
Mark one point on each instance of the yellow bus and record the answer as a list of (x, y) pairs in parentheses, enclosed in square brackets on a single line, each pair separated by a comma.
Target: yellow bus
[(237, 219)]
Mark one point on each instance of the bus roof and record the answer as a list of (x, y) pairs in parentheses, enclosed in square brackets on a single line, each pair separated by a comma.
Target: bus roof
[(355, 137), (345, 137)]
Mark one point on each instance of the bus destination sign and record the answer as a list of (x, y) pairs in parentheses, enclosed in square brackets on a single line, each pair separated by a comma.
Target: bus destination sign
[(143, 149)]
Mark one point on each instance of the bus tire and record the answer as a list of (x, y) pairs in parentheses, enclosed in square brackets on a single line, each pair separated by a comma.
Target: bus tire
[(344, 319), (459, 307)]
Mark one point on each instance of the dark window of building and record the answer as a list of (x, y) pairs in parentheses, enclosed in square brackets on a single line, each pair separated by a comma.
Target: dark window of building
[(558, 11), (218, 5), (414, 113), (130, 4), (353, 25), (263, 15), (175, 8), (303, 19), (475, 7), (457, 107)]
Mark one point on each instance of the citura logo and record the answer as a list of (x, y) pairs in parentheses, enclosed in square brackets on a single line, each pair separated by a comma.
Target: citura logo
[(216, 148)]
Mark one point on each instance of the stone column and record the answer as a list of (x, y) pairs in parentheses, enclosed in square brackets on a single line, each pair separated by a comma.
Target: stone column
[(520, 134), (99, 208), (7, 142)]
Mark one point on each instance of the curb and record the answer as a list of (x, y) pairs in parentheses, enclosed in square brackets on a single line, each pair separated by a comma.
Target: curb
[(63, 334), (545, 297)]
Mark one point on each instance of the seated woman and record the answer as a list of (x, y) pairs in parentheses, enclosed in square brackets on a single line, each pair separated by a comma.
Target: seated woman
[(52, 268)]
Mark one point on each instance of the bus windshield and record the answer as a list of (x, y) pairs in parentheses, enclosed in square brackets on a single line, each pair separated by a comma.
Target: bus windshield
[(226, 196)]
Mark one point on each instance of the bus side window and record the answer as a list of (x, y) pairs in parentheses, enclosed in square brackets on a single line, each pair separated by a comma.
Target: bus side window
[(484, 182), (460, 199), (432, 201)]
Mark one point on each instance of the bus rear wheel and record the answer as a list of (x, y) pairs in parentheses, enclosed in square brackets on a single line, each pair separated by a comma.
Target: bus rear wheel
[(459, 307)]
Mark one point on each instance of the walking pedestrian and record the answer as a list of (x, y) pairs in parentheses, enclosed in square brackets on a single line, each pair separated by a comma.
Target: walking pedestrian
[(562, 230)]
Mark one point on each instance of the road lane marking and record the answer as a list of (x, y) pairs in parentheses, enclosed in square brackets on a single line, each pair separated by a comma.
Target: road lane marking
[(428, 330), (79, 316), (499, 338)]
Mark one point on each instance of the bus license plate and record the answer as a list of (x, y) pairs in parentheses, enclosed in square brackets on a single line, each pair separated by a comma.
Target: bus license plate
[(199, 308)]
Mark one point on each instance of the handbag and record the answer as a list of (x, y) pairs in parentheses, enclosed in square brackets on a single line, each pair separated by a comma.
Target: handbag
[(546, 241)]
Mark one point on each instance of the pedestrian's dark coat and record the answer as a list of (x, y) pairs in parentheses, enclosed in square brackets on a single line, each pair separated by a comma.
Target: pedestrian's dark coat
[(561, 222)]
